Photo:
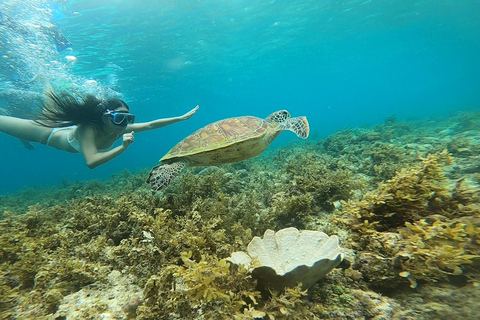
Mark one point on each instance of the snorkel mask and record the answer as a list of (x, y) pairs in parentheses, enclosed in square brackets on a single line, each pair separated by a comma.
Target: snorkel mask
[(120, 118)]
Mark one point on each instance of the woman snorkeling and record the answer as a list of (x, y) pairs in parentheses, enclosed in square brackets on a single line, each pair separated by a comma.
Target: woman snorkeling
[(89, 126)]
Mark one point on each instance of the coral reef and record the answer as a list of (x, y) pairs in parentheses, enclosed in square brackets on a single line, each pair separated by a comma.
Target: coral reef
[(402, 198), (412, 193), (420, 225)]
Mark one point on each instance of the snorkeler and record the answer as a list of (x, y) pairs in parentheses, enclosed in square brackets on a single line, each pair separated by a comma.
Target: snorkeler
[(89, 126)]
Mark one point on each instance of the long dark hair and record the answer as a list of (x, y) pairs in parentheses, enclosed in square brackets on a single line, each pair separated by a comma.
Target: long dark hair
[(63, 110)]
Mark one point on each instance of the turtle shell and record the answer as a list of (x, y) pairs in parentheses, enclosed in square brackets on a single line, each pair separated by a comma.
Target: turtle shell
[(218, 136)]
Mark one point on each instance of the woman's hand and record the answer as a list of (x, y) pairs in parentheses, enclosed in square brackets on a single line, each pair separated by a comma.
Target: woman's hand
[(189, 114), (128, 139)]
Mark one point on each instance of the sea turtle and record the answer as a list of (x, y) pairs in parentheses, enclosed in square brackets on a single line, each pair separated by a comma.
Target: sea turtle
[(225, 141)]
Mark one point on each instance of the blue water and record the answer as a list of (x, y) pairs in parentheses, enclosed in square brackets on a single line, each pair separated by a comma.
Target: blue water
[(343, 64)]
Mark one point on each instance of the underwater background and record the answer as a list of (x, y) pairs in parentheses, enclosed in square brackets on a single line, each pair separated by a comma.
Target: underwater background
[(343, 64), (391, 167)]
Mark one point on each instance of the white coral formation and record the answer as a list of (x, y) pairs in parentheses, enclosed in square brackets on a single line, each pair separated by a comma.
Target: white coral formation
[(289, 256)]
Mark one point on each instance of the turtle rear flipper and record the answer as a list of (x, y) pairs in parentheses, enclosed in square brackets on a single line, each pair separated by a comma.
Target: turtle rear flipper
[(298, 125), (161, 175)]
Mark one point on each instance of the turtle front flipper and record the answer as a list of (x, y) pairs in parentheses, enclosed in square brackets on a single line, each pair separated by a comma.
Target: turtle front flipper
[(298, 125), (278, 116), (160, 176)]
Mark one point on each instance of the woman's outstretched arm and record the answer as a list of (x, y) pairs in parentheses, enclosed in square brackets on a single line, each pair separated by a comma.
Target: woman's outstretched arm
[(155, 124)]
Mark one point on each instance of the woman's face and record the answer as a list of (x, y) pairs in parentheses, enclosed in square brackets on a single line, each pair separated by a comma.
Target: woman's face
[(108, 120)]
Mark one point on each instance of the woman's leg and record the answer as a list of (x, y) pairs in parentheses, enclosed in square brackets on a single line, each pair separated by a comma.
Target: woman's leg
[(24, 129)]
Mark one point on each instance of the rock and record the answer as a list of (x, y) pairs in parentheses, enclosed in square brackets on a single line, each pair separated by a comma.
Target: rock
[(118, 298), (289, 256)]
